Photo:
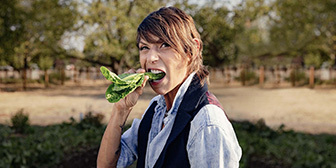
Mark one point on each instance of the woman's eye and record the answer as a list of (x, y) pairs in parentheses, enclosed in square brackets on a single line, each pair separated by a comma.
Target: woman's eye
[(165, 45), (143, 48)]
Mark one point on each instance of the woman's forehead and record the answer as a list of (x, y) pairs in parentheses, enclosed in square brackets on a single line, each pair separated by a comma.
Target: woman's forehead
[(150, 38)]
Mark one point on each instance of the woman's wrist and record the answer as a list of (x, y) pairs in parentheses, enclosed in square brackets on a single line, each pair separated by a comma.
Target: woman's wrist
[(120, 115)]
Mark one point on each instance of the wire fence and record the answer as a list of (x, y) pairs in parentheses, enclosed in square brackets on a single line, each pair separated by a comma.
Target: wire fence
[(276, 76), (230, 75)]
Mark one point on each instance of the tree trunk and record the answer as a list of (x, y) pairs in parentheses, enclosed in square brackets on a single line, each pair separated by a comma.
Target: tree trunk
[(6, 74), (24, 74), (228, 75), (293, 77), (311, 77), (88, 73), (97, 73), (261, 76), (121, 65), (277, 75), (1, 78), (114, 65), (46, 78), (79, 76), (75, 74), (243, 76), (62, 75)]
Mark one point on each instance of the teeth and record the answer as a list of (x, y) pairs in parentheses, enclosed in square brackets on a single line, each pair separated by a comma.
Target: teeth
[(155, 71)]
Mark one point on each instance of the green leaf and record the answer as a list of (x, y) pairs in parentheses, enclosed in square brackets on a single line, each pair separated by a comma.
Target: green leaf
[(110, 75), (153, 76), (125, 84)]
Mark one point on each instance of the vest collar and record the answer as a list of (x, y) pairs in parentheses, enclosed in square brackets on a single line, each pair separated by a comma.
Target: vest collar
[(188, 106), (186, 111)]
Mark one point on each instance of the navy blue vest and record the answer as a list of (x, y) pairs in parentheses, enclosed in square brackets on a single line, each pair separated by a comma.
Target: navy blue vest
[(174, 153)]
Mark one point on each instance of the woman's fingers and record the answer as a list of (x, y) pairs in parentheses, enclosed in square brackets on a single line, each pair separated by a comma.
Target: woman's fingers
[(131, 99), (139, 90), (141, 70), (146, 77), (130, 71), (145, 80)]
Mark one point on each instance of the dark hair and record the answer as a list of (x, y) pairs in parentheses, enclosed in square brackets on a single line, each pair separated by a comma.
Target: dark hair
[(173, 26)]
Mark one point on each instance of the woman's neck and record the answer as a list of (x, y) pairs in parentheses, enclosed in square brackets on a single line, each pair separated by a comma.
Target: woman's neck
[(170, 96)]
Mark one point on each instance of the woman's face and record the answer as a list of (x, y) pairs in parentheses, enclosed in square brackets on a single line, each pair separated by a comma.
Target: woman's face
[(160, 57)]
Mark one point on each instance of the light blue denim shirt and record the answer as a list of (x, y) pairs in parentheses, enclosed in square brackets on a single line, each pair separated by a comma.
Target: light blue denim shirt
[(212, 141)]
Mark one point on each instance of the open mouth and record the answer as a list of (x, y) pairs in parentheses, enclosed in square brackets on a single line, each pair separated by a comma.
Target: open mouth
[(156, 75)]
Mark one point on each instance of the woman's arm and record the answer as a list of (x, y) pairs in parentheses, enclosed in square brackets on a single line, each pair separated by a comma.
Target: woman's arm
[(212, 141), (110, 147)]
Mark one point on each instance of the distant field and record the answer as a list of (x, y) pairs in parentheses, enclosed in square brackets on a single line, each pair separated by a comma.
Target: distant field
[(301, 109)]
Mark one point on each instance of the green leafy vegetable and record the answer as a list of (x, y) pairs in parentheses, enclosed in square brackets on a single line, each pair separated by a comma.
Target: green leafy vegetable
[(126, 83)]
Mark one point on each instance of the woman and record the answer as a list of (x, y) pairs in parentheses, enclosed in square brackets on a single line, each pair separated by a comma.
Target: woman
[(184, 126)]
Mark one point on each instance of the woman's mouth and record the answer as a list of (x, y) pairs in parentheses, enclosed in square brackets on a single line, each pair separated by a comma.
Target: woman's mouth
[(161, 74)]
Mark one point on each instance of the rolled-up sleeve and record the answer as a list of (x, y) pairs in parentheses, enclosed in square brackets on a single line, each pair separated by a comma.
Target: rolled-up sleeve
[(212, 141), (129, 143)]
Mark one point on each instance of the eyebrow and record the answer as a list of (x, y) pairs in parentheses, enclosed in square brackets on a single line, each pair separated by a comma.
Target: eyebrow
[(142, 42)]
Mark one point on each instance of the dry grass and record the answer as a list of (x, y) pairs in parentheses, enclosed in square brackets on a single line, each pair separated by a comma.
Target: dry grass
[(301, 109)]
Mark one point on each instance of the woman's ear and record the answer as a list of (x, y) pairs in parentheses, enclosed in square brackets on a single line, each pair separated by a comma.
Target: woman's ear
[(198, 46), (197, 42)]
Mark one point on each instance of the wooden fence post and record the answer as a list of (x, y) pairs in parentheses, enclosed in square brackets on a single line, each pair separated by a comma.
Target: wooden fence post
[(311, 77), (331, 74), (277, 75), (97, 72), (46, 78), (293, 76), (75, 75), (62, 69), (243, 75), (261, 76), (228, 75)]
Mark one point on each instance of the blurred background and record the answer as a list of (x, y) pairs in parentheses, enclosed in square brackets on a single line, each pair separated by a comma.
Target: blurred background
[(272, 65)]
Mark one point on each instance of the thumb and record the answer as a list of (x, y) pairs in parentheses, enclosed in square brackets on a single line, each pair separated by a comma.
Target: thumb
[(139, 90), (145, 80)]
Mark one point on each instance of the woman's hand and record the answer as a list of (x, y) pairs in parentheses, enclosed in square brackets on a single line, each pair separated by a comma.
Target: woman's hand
[(110, 147), (125, 105)]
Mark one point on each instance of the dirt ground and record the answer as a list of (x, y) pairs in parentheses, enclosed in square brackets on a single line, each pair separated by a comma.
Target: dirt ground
[(300, 109)]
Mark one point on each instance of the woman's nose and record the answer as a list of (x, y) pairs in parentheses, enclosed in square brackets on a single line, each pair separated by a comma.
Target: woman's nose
[(153, 56)]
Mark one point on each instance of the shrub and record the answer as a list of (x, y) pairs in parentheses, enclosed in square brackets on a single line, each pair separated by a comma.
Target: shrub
[(265, 147), (20, 122), (16, 80), (247, 77), (298, 78), (91, 120), (47, 146), (66, 144), (54, 78)]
